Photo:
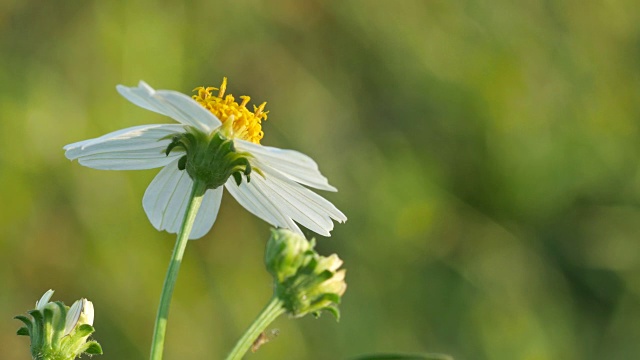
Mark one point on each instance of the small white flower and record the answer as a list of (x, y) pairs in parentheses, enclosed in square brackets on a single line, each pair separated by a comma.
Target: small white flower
[(274, 192)]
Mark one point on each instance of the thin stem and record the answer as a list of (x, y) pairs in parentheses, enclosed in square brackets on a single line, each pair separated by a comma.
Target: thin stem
[(273, 309), (195, 199)]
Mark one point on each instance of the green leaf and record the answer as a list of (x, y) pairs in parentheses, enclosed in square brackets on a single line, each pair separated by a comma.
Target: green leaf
[(405, 357), (23, 331)]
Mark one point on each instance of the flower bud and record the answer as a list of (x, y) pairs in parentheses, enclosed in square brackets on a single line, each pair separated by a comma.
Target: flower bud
[(59, 332), (286, 253), (305, 281)]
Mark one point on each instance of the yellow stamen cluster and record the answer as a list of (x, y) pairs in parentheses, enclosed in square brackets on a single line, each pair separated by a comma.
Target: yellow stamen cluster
[(237, 120)]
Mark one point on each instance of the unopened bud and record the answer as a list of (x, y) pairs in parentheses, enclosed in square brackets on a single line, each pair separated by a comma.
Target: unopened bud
[(59, 332), (305, 281)]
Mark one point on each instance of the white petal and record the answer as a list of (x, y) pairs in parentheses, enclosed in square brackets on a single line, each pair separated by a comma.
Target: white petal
[(299, 203), (324, 206), (88, 311), (254, 199), (44, 300), (279, 200), (293, 164), (207, 213), (176, 105), (134, 148), (166, 198), (72, 316)]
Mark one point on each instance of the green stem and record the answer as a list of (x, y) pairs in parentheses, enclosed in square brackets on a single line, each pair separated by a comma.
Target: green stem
[(273, 309), (195, 199)]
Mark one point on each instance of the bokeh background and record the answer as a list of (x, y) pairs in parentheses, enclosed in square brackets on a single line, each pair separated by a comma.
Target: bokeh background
[(486, 155)]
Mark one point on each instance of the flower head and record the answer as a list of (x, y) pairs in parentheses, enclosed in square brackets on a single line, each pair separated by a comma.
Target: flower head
[(58, 331), (217, 143), (238, 121), (305, 281)]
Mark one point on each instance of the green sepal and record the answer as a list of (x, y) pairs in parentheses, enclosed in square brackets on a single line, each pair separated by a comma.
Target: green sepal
[(49, 332), (48, 314), (211, 159), (311, 265), (325, 275), (176, 141), (191, 138), (37, 337), (75, 342), (26, 321), (23, 331), (35, 329), (215, 143), (93, 348), (83, 330), (37, 316), (237, 177), (182, 163), (332, 297), (333, 310), (58, 330)]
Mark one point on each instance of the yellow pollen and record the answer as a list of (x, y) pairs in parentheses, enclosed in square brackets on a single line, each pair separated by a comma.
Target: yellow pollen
[(237, 120)]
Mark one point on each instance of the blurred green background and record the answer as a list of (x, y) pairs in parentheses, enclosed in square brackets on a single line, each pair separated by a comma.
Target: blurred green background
[(486, 155)]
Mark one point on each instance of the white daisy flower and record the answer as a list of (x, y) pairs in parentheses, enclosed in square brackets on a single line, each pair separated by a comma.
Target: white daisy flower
[(218, 142)]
